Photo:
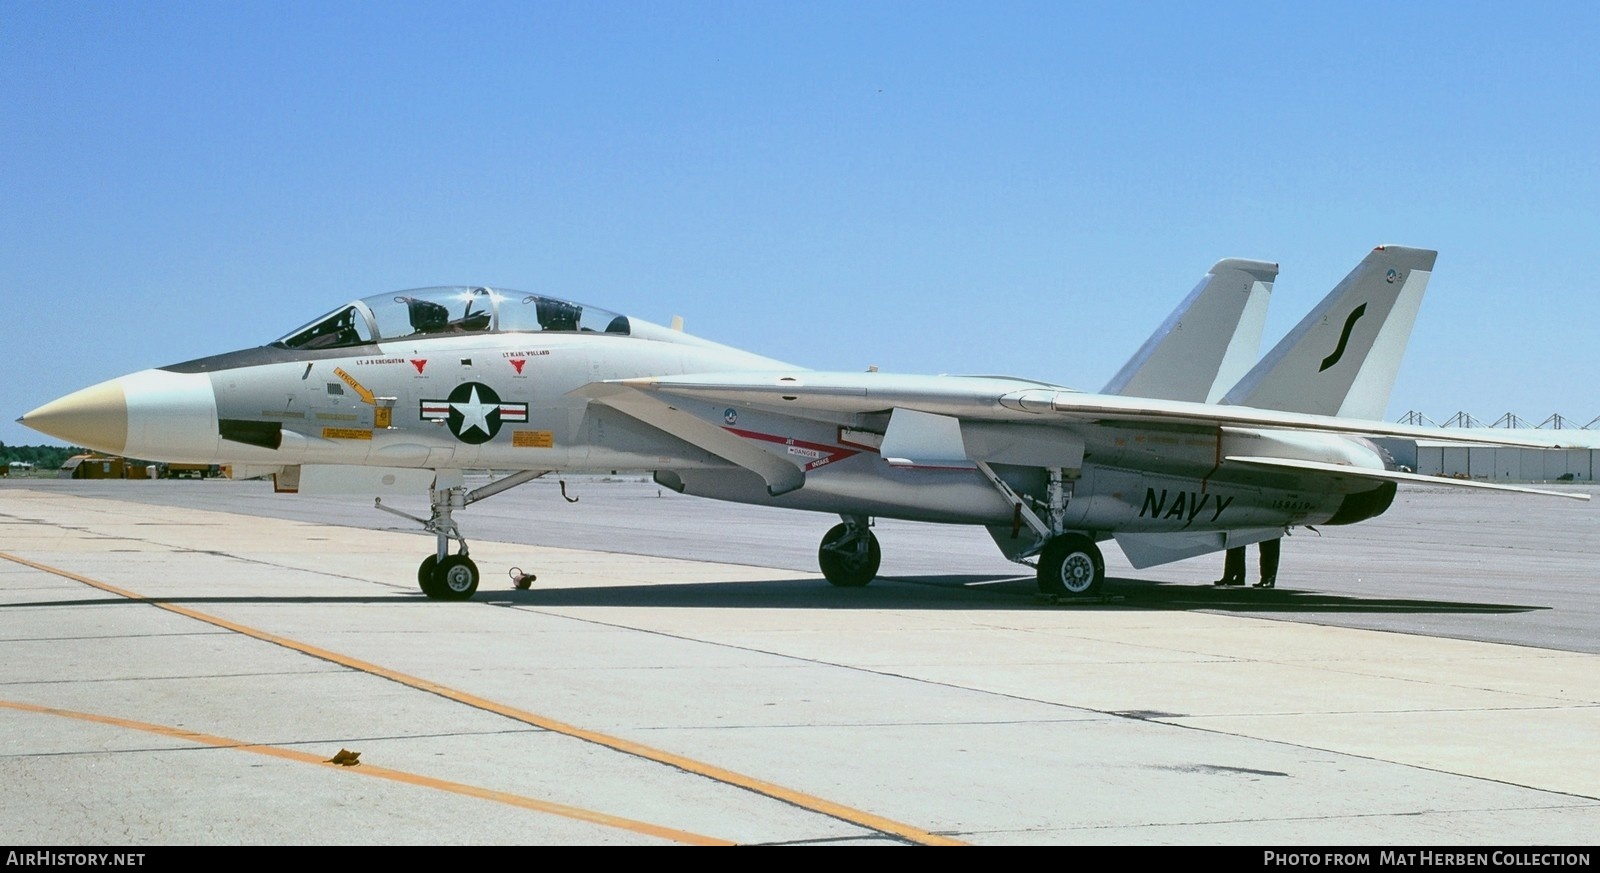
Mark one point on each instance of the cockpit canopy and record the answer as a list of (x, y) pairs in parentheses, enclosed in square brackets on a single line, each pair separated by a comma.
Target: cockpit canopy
[(447, 311)]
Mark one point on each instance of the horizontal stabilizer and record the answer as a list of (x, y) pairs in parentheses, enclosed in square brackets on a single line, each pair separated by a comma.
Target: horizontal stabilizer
[(1393, 476)]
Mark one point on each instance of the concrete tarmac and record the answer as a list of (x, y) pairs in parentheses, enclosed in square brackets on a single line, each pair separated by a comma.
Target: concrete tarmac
[(181, 660)]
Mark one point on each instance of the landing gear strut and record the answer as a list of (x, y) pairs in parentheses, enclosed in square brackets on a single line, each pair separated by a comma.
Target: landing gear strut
[(1069, 563), (849, 554), (443, 576)]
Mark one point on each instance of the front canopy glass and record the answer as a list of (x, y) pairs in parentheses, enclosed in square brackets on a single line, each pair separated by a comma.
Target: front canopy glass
[(446, 311)]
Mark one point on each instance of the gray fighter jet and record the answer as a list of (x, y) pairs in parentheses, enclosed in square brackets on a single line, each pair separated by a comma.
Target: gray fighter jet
[(406, 391)]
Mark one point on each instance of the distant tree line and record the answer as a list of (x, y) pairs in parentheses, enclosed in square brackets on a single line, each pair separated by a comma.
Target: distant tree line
[(41, 457)]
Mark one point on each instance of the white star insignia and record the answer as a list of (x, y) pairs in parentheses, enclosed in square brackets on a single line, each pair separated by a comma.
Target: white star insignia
[(475, 413)]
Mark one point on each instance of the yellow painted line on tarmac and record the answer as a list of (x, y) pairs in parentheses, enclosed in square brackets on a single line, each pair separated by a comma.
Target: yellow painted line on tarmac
[(709, 771), (401, 776)]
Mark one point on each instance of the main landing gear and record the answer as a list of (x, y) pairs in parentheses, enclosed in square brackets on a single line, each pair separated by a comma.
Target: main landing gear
[(1067, 563), (1070, 565), (441, 575), (849, 554)]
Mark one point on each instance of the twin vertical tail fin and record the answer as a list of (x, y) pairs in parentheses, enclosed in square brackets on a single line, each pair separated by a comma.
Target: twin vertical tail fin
[(1342, 358), (1208, 342)]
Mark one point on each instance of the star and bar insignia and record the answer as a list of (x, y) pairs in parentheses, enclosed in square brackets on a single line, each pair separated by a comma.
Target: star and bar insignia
[(474, 412)]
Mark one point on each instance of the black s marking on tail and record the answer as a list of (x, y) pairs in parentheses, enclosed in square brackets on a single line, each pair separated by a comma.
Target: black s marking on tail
[(1349, 325)]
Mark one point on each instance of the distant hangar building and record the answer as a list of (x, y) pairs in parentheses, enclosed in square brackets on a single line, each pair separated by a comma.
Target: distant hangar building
[(1578, 461)]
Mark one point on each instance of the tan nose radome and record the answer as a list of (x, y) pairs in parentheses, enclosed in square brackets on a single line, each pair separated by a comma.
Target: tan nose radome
[(95, 417)]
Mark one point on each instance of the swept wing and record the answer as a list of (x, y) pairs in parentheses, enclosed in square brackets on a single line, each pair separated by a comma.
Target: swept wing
[(824, 395)]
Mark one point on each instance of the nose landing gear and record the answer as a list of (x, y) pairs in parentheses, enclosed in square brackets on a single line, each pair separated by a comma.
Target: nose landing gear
[(454, 578), (441, 575)]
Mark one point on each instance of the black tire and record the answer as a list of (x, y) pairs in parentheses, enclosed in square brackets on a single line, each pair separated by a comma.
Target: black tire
[(456, 578), (1071, 566), (843, 562), (426, 574)]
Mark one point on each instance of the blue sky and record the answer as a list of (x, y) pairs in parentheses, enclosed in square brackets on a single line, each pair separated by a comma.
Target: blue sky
[(1017, 188)]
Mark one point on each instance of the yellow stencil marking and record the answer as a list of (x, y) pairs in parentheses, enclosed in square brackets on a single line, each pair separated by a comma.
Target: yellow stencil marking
[(361, 391)]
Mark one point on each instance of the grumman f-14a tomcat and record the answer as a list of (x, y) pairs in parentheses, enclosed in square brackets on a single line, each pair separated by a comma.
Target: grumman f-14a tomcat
[(1189, 450)]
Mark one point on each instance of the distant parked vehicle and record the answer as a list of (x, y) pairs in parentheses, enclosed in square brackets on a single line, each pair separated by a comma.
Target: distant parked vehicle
[(190, 471)]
